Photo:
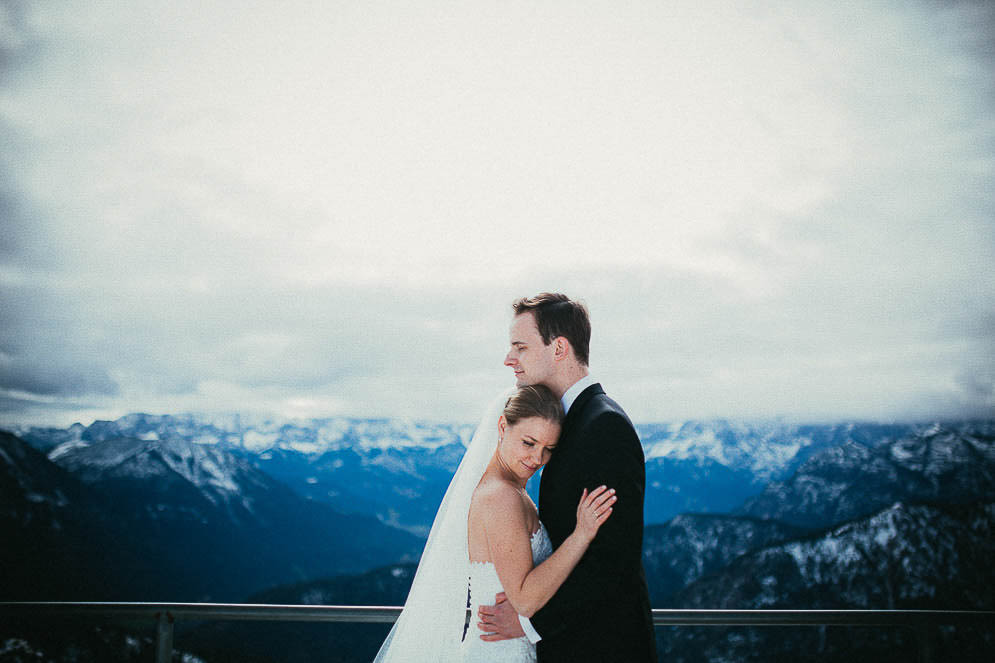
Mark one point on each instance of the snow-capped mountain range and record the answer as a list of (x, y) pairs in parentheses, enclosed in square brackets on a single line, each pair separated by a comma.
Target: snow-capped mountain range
[(397, 469), (949, 464), (767, 449), (169, 520), (259, 433)]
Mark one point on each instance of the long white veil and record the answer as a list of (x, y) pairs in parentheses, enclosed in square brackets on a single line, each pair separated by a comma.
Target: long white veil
[(431, 626)]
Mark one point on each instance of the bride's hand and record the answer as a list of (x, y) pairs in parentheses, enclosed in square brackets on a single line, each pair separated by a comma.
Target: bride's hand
[(593, 511)]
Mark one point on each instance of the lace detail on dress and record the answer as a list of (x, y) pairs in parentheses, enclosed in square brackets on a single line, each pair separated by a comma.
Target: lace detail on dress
[(484, 586)]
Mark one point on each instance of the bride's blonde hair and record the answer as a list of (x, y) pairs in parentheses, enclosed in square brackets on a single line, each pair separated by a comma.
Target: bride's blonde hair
[(533, 401)]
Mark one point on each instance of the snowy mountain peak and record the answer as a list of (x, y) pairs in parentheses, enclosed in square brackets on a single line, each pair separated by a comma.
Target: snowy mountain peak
[(64, 448), (843, 482), (767, 449), (216, 474)]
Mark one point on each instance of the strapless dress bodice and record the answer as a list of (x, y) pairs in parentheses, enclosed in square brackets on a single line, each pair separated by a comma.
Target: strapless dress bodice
[(484, 587)]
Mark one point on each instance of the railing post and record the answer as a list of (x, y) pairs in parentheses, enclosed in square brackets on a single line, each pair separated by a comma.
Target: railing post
[(164, 638), (924, 634)]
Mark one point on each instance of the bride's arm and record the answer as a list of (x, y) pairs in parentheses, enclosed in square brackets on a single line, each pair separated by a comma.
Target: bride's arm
[(529, 588)]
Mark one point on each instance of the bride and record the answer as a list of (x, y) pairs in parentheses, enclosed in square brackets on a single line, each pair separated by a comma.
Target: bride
[(487, 539)]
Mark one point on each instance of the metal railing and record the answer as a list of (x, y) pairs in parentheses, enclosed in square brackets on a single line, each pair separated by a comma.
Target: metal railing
[(923, 622)]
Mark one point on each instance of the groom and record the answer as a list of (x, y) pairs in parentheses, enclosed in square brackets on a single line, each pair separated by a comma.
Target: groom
[(602, 612)]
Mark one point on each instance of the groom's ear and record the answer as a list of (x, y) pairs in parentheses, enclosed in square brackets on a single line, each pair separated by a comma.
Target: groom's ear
[(561, 348)]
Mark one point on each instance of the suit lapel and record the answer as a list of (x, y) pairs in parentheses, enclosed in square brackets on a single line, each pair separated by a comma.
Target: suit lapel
[(577, 408)]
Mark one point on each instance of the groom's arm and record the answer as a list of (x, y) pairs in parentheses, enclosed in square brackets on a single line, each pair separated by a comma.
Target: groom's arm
[(610, 455)]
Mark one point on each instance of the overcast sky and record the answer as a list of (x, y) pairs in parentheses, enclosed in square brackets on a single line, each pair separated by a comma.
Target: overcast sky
[(324, 208)]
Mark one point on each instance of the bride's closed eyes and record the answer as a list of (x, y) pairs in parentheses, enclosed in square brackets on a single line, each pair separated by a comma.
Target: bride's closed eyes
[(531, 444)]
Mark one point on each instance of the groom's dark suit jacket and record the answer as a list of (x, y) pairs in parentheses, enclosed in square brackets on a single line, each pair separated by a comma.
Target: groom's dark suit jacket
[(602, 612)]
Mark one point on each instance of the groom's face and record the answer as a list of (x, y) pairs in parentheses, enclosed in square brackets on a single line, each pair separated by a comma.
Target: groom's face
[(529, 357)]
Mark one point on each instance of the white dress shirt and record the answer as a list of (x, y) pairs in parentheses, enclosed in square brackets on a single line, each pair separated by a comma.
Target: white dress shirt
[(571, 394)]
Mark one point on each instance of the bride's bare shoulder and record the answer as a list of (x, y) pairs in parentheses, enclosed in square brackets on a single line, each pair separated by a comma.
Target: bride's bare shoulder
[(494, 492)]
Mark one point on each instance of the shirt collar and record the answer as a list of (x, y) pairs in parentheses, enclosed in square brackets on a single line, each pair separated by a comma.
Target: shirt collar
[(571, 394)]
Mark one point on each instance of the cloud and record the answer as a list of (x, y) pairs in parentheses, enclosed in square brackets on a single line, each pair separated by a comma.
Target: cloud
[(771, 210), (48, 379)]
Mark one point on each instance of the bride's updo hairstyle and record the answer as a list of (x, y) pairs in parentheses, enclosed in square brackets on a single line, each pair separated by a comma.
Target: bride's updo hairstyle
[(533, 401)]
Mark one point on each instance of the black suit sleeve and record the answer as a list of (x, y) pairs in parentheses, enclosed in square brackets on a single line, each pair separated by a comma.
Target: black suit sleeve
[(607, 452)]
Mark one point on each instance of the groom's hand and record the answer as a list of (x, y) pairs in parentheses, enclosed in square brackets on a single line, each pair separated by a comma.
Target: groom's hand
[(500, 621)]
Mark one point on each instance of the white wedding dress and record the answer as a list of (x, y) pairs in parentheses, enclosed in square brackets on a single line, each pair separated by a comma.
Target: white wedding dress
[(484, 586), (430, 628)]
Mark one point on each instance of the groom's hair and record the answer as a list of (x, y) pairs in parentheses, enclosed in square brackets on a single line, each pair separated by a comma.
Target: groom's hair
[(557, 315)]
